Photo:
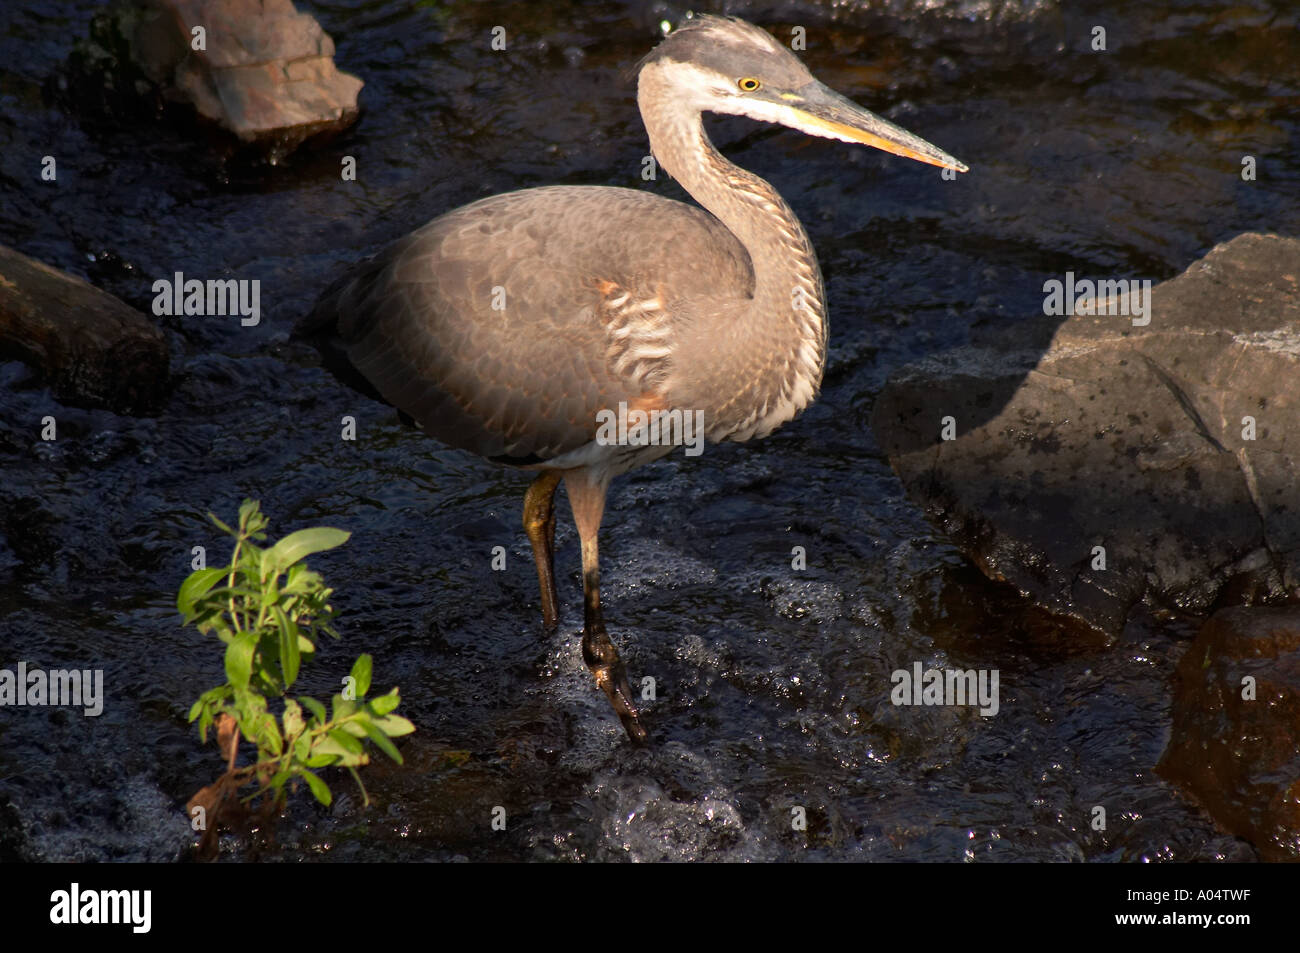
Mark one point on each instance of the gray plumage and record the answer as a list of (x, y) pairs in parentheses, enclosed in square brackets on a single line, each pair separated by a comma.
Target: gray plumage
[(420, 321)]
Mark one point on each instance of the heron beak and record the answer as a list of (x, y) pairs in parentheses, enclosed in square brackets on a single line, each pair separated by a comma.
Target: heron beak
[(820, 111)]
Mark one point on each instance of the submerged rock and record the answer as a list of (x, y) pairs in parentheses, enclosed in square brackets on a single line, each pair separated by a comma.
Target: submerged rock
[(1235, 741), (1106, 463), (259, 69), (93, 349)]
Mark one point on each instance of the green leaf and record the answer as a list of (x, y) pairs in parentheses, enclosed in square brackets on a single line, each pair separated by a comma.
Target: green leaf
[(249, 709), (354, 725), (343, 740), (394, 726), (293, 721), (318, 787), (239, 659), (331, 748), (270, 593), (385, 703), (268, 735), (326, 747), (210, 619), (250, 516), (222, 526), (250, 564), (341, 707), (226, 592), (298, 546), (300, 581), (313, 706), (289, 657), (361, 673), (195, 587), (381, 742)]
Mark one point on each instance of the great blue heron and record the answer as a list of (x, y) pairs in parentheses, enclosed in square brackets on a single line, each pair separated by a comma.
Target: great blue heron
[(515, 326)]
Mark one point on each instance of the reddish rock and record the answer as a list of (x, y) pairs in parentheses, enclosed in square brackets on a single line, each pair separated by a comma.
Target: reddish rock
[(266, 73), (1241, 758)]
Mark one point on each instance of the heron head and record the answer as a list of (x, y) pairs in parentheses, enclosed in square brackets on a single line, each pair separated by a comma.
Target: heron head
[(725, 65)]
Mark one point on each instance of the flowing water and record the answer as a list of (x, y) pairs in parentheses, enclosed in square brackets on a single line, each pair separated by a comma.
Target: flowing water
[(773, 685)]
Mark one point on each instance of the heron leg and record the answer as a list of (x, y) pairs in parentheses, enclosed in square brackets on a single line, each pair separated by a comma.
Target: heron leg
[(539, 523), (588, 502)]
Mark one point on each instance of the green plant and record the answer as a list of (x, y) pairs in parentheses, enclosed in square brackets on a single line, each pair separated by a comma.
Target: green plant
[(269, 609)]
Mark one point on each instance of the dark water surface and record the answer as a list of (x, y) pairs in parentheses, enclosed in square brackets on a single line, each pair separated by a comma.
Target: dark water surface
[(773, 684)]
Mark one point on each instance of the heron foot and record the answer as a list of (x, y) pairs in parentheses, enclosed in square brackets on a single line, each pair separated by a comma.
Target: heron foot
[(611, 675)]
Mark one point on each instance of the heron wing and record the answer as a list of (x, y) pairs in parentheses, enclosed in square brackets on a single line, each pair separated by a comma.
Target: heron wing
[(505, 326)]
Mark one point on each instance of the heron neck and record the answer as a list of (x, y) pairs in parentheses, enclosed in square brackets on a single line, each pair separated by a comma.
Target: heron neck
[(788, 303)]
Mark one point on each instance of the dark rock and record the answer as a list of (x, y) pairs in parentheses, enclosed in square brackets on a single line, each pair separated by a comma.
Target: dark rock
[(93, 350), (1129, 438), (266, 75), (1240, 758), (13, 843)]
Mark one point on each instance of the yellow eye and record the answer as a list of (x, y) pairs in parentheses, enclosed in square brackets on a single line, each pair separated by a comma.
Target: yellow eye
[(748, 84)]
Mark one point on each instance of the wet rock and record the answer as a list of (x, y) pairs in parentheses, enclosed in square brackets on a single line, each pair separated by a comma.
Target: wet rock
[(1097, 463), (1235, 746), (91, 348), (265, 72), (13, 845)]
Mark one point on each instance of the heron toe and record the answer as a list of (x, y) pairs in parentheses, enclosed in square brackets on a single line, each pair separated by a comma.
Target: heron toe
[(611, 675)]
